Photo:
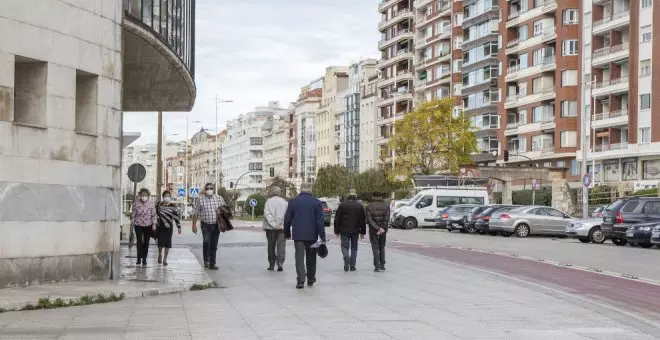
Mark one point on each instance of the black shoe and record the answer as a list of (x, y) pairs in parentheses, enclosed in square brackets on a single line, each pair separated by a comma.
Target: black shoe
[(270, 268), (345, 267), (300, 285), (213, 267), (353, 269), (138, 262), (311, 283), (382, 268), (280, 269), (144, 263), (376, 269), (206, 265)]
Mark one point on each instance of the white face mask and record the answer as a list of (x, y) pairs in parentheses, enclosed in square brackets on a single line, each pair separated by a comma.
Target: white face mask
[(167, 199), (144, 198), (209, 192)]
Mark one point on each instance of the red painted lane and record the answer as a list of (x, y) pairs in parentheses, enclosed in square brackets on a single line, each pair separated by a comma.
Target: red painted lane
[(635, 296)]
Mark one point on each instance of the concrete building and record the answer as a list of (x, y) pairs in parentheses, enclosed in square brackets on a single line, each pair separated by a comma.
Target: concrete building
[(243, 149), (276, 148), (305, 113), (293, 143), (67, 70), (335, 81), (203, 164), (368, 123)]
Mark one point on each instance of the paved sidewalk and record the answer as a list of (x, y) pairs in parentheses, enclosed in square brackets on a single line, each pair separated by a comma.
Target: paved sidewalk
[(182, 272), (417, 298)]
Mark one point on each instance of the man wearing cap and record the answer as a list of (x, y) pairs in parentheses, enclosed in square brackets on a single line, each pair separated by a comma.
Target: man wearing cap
[(303, 222), (350, 221), (274, 211), (378, 216), (206, 211)]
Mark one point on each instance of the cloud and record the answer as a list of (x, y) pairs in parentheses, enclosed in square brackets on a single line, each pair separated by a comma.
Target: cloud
[(255, 51)]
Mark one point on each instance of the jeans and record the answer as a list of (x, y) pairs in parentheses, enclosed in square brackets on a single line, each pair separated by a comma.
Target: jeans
[(352, 241), (210, 236), (142, 238), (276, 247), (378, 248), (305, 261)]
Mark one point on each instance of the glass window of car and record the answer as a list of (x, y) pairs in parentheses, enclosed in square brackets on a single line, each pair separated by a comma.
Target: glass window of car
[(614, 206), (424, 202), (472, 200), (538, 212), (554, 213), (630, 206), (446, 201), (651, 208), (414, 199)]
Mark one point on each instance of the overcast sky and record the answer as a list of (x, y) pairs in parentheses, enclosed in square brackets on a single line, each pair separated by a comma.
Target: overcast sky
[(255, 51)]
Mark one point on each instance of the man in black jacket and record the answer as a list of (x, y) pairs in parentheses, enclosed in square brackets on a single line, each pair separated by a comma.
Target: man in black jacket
[(350, 220), (378, 217)]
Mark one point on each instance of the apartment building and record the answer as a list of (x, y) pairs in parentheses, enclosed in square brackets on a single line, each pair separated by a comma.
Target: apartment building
[(334, 82), (276, 147), (205, 161), (619, 74), (368, 122), (305, 114)]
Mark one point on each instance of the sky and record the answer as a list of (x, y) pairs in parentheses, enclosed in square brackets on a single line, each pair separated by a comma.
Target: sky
[(255, 51)]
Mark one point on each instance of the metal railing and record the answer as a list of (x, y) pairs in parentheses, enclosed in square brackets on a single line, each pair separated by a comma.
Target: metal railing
[(611, 114), (171, 21), (610, 18)]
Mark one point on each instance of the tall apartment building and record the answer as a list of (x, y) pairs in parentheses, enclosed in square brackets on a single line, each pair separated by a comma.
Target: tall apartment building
[(619, 73), (205, 161), (334, 82), (305, 113), (276, 147), (293, 142), (368, 122)]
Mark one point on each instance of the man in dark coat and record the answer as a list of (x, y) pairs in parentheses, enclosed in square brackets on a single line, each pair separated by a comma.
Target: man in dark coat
[(350, 221), (305, 214), (378, 217)]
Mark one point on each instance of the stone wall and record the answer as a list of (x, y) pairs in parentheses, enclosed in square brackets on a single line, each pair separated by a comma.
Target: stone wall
[(60, 136)]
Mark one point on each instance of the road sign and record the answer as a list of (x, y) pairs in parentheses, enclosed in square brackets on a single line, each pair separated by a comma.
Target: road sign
[(253, 202), (586, 180), (534, 184), (194, 191), (137, 173), (181, 192)]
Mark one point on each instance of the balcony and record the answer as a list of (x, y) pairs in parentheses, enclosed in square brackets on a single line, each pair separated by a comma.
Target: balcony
[(517, 128), (400, 35), (611, 147), (514, 73), (609, 54), (402, 14), (403, 54), (520, 100), (517, 45), (608, 87), (610, 119), (159, 56), (613, 21), (492, 12), (517, 17), (422, 18), (384, 4)]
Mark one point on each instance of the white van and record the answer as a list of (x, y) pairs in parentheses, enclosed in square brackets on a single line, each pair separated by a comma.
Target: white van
[(423, 210)]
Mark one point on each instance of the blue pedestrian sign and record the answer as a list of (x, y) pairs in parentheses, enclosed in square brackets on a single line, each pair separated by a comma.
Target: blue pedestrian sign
[(533, 184), (194, 191), (586, 180), (253, 202), (181, 192)]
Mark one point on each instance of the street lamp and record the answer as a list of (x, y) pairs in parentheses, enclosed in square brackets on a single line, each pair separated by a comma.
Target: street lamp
[(217, 132)]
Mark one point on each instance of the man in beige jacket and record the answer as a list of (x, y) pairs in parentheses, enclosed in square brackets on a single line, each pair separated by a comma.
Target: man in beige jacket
[(274, 211)]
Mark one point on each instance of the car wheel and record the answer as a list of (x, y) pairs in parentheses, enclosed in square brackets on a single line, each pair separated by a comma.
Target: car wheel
[(645, 245), (584, 239), (522, 230), (462, 230), (492, 233), (596, 235), (506, 234), (410, 223), (471, 229), (619, 242)]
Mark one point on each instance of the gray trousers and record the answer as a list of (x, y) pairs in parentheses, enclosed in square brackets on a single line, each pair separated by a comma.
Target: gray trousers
[(305, 261), (378, 248), (349, 248), (276, 247)]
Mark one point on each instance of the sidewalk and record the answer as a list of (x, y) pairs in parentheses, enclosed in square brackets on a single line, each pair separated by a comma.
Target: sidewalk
[(182, 272), (416, 298)]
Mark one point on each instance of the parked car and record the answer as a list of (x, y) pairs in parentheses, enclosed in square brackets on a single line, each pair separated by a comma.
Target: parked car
[(453, 217), (598, 212), (422, 210), (655, 235), (640, 233), (471, 218), (586, 230), (327, 214), (394, 205), (482, 221), (625, 212), (530, 220)]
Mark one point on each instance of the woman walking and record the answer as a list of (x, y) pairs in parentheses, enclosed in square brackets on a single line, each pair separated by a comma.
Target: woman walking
[(168, 216), (143, 219)]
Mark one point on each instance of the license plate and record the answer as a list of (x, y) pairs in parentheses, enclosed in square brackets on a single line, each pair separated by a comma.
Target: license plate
[(655, 234), (629, 233)]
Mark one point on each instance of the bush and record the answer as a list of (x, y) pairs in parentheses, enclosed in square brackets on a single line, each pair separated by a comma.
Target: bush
[(261, 202), (524, 197), (602, 195), (652, 192)]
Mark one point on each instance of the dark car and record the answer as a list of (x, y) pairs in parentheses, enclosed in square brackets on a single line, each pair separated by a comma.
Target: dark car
[(625, 212), (640, 233), (471, 218), (327, 214), (482, 221), (655, 234), (453, 217)]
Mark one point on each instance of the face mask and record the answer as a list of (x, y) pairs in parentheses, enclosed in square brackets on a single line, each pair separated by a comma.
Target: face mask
[(143, 198), (209, 192), (167, 199)]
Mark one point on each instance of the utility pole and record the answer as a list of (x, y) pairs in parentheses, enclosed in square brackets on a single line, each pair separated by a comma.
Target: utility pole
[(159, 156)]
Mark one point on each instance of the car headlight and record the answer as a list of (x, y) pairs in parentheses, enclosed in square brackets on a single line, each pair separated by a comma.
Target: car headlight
[(645, 228)]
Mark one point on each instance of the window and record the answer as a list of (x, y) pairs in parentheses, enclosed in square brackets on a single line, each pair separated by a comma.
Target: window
[(569, 47), (256, 141), (29, 93), (86, 102), (645, 67), (645, 135), (561, 164), (645, 101), (522, 33), (569, 108), (569, 78), (651, 169), (575, 170), (570, 16), (647, 3), (538, 27), (568, 139), (426, 201), (646, 34)]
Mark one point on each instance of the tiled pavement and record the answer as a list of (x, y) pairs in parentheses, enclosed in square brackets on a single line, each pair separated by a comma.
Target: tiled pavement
[(417, 298)]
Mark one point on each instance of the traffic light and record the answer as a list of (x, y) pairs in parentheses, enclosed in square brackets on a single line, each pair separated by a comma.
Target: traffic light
[(231, 185), (506, 155), (272, 172)]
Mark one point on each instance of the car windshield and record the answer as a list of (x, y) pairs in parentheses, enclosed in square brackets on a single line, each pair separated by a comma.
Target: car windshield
[(614, 206), (413, 200)]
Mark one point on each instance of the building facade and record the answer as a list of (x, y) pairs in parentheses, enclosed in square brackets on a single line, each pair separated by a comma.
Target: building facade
[(305, 113), (335, 82), (276, 148), (368, 122), (206, 158)]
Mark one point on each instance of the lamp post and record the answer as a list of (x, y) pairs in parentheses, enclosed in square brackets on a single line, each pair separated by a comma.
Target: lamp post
[(217, 132)]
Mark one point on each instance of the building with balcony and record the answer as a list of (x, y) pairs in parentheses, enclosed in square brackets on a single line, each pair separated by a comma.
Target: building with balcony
[(205, 161), (335, 82), (368, 122), (67, 71), (243, 149), (276, 148), (539, 81), (305, 114)]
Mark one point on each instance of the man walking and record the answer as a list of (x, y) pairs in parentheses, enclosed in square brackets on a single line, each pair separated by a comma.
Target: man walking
[(305, 215), (350, 221), (206, 211), (274, 211), (378, 217)]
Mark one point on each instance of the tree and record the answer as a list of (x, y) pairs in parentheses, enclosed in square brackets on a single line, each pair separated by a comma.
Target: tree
[(431, 140), (332, 181), (230, 196), (288, 189), (370, 181)]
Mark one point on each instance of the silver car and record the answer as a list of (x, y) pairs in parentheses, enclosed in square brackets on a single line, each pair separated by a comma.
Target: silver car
[(586, 230), (530, 220)]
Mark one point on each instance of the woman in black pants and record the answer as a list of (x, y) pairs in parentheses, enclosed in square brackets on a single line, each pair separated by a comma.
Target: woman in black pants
[(143, 219), (168, 216)]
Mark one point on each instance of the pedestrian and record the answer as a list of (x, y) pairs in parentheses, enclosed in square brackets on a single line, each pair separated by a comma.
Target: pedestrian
[(168, 216), (206, 211), (143, 218), (305, 216), (350, 221), (378, 217), (274, 211)]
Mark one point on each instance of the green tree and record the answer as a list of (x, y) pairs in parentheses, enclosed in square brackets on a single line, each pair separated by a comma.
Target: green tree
[(230, 196), (370, 181), (333, 180), (288, 189), (431, 140), (261, 202)]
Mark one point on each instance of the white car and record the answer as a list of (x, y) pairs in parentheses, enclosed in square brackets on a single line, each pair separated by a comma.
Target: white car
[(586, 230)]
